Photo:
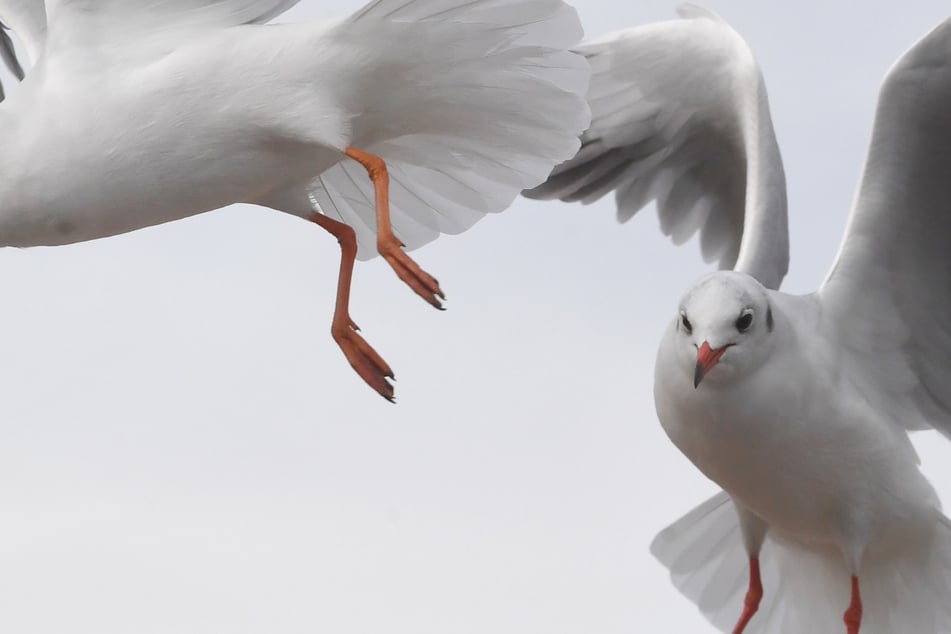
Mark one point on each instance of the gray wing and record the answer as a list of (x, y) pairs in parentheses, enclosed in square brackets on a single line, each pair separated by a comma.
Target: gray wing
[(680, 116), (887, 299)]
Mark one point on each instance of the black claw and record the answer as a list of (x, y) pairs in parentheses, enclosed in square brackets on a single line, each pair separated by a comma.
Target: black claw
[(391, 399)]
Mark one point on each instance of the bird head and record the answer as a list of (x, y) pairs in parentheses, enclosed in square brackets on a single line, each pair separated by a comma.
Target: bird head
[(723, 327)]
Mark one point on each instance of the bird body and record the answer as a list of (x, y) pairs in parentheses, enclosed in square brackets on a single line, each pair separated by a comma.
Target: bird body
[(145, 175), (169, 136), (406, 120), (788, 436)]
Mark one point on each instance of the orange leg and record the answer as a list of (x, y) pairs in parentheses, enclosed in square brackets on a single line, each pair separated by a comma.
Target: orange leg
[(753, 596), (853, 616), (364, 359), (386, 243)]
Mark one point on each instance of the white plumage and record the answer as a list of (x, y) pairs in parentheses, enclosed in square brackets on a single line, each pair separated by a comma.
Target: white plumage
[(139, 112), (680, 116), (798, 406)]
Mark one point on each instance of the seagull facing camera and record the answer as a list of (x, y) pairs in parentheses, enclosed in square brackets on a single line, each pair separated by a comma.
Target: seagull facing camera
[(799, 407)]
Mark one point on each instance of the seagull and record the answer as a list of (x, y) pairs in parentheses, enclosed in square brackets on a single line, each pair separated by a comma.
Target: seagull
[(798, 407), (406, 120)]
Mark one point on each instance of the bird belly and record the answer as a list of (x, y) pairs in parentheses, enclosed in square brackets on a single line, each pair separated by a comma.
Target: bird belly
[(811, 468), (772, 482), (161, 142), (115, 182)]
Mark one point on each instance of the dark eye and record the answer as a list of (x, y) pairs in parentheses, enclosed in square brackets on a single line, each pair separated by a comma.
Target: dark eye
[(685, 323), (745, 320)]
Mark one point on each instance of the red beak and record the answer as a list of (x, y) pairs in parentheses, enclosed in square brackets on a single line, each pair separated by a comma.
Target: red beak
[(706, 359)]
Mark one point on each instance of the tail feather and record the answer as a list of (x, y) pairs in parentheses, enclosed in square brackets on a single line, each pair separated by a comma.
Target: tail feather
[(704, 553), (805, 590), (483, 98)]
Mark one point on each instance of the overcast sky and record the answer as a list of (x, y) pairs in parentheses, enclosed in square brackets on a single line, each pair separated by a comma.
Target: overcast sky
[(184, 449)]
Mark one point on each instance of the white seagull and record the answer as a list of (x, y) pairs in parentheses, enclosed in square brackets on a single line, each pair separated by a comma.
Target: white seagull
[(798, 406), (408, 119)]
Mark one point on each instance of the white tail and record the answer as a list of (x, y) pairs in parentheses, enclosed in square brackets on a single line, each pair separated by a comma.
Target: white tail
[(805, 591), (483, 98)]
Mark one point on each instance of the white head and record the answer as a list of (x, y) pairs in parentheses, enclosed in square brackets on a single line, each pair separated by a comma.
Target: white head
[(725, 322)]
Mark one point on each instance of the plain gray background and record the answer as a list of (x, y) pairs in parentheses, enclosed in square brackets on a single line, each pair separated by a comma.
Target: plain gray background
[(184, 449)]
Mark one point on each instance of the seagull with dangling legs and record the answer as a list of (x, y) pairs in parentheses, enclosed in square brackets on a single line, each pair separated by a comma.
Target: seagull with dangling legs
[(799, 407), (409, 119)]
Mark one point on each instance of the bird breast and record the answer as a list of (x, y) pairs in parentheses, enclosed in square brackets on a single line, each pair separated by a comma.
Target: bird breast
[(789, 443)]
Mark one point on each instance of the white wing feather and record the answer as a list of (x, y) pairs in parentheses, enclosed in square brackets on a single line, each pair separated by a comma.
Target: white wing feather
[(680, 116), (888, 296)]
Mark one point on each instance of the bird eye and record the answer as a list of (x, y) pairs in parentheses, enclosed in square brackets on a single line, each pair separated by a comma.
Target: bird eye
[(745, 320), (685, 323)]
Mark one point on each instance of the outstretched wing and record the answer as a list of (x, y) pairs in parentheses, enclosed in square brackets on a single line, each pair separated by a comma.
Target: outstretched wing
[(680, 116), (887, 299)]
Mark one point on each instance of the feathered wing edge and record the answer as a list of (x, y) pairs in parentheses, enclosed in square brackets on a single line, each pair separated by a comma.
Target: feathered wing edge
[(886, 298), (681, 117), (486, 100)]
